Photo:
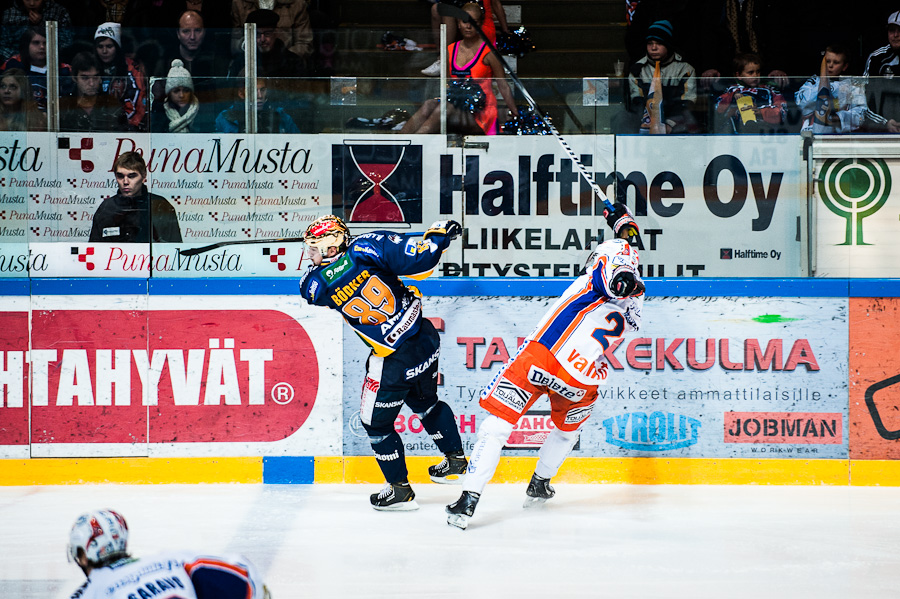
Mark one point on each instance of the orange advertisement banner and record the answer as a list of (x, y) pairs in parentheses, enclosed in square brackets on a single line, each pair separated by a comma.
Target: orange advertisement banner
[(874, 378)]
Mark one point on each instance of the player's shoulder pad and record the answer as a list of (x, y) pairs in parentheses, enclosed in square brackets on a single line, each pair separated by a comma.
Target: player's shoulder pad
[(368, 244), (374, 245)]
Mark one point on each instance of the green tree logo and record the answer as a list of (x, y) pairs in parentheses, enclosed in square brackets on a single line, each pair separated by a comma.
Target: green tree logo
[(854, 188)]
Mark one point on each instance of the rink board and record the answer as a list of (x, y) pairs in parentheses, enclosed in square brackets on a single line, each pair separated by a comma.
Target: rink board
[(357, 470), (821, 339)]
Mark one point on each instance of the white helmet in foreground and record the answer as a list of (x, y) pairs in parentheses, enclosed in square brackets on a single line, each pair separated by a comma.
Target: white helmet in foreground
[(102, 535)]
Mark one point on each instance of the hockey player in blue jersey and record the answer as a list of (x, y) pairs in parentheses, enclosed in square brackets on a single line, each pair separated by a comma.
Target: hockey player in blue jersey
[(359, 277)]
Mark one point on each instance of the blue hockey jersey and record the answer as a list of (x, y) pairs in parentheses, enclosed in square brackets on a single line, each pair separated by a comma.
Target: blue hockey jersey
[(363, 284)]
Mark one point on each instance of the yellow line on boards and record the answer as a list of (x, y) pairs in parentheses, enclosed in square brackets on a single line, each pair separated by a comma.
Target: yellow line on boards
[(133, 471), (364, 469)]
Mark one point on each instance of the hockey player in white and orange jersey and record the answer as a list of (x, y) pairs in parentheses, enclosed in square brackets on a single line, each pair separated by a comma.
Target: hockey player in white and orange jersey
[(562, 358), (98, 543)]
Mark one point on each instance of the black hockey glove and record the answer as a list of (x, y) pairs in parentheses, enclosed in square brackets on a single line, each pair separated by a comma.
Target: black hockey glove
[(621, 221), (450, 228), (625, 284)]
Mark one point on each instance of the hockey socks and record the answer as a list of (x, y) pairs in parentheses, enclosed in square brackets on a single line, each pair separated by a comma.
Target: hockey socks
[(554, 451), (441, 425), (390, 456), (492, 435)]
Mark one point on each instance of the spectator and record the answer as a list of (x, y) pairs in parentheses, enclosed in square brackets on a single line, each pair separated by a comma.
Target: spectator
[(24, 14), (882, 89), (89, 109), (179, 111), (134, 215), (197, 56), (274, 60), (471, 60), (832, 103), (18, 110), (749, 105), (677, 80), (32, 59), (120, 76), (271, 118), (195, 50), (490, 8), (293, 26)]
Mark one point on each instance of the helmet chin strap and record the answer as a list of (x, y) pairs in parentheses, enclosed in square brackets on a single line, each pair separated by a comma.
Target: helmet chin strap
[(337, 254)]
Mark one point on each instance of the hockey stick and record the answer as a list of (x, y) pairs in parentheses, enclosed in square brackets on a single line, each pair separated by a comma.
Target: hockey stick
[(213, 246), (450, 10)]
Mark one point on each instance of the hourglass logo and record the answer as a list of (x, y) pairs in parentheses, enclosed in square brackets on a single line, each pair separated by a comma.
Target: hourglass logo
[(854, 188), (377, 181)]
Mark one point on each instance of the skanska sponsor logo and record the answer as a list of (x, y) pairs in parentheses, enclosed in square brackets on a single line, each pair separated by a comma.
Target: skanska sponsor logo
[(658, 431), (388, 404), (412, 373)]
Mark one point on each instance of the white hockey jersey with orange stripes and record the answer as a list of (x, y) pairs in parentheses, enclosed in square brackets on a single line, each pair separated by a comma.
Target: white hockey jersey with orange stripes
[(587, 318), (174, 575)]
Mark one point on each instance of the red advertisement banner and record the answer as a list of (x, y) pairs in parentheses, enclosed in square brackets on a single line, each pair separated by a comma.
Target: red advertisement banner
[(167, 376)]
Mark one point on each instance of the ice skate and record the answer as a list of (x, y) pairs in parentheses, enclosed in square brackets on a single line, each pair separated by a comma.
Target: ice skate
[(395, 497), (462, 509), (538, 491), (450, 471)]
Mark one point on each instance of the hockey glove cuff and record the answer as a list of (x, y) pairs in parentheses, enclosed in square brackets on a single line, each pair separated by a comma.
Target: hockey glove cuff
[(621, 221), (449, 228)]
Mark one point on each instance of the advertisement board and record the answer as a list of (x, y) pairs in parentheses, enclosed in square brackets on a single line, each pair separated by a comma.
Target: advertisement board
[(857, 206), (526, 210), (706, 377), (707, 206), (170, 376), (874, 378)]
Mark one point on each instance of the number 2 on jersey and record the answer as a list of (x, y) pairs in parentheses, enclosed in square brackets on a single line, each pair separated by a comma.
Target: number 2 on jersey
[(604, 335), (374, 304)]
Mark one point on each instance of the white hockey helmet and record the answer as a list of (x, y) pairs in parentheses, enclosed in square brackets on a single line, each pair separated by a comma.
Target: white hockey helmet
[(101, 534), (325, 232)]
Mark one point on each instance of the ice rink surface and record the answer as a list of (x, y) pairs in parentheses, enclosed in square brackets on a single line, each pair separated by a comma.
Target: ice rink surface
[(616, 541)]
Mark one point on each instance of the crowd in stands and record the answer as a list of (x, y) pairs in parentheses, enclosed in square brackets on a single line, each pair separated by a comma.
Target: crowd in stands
[(150, 65), (695, 66)]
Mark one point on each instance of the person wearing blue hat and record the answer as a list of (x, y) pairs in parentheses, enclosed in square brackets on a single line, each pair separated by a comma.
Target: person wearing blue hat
[(676, 80)]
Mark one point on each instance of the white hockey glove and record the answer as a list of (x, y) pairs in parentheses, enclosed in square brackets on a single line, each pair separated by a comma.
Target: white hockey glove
[(621, 221), (450, 228)]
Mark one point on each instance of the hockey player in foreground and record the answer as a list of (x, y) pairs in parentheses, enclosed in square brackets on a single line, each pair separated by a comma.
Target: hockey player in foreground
[(563, 358), (359, 277), (98, 543)]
